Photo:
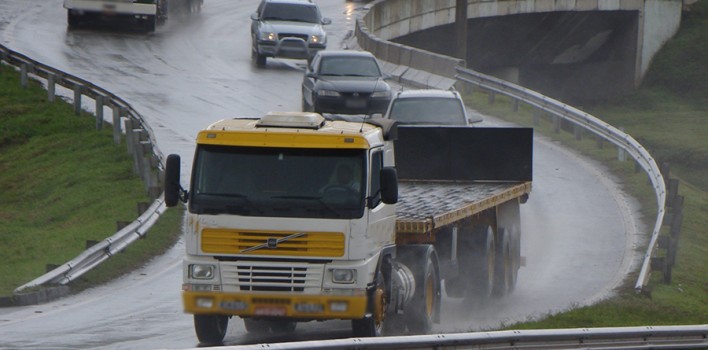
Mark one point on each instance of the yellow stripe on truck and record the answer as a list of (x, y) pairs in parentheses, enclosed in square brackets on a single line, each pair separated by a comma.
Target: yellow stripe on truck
[(268, 305), (299, 139)]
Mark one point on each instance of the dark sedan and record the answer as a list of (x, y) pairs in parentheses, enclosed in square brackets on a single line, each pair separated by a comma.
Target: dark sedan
[(345, 82)]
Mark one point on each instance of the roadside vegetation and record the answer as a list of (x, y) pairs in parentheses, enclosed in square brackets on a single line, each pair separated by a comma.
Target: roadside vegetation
[(668, 115), (64, 183)]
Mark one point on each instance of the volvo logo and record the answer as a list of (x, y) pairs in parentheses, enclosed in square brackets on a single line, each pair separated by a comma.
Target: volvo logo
[(272, 242)]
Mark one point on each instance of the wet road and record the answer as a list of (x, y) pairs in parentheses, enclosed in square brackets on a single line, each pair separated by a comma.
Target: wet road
[(579, 229)]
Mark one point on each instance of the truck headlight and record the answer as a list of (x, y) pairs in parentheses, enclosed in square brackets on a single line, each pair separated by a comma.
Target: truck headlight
[(347, 276), (201, 271), (317, 39)]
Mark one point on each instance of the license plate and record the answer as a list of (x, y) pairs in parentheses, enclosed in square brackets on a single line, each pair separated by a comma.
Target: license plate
[(355, 103), (269, 311)]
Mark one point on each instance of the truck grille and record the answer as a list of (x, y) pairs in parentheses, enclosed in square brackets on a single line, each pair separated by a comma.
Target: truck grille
[(310, 244), (271, 276)]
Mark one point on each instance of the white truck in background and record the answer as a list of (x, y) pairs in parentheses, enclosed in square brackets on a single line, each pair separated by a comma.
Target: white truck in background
[(144, 13)]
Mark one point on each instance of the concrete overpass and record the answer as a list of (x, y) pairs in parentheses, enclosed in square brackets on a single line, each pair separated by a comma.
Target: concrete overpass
[(573, 50)]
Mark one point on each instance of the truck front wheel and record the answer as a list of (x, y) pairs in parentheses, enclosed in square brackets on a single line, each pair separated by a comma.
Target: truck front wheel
[(372, 326), (211, 329)]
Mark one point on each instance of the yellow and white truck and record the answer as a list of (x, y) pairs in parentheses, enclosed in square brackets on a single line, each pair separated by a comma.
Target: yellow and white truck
[(294, 217)]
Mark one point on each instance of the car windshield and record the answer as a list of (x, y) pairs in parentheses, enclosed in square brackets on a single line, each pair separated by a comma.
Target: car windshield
[(350, 66), (428, 110), (278, 182), (290, 12)]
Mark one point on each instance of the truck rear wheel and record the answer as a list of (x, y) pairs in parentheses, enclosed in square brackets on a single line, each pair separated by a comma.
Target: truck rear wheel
[(482, 263), (72, 19), (424, 309), (211, 329), (503, 263)]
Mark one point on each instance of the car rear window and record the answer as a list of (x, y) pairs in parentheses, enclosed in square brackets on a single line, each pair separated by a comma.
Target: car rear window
[(349, 66), (428, 110)]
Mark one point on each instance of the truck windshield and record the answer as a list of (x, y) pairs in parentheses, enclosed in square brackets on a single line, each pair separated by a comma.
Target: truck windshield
[(278, 182)]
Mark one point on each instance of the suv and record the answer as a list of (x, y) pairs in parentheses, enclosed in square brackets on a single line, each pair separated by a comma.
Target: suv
[(288, 29), (429, 106), (345, 82)]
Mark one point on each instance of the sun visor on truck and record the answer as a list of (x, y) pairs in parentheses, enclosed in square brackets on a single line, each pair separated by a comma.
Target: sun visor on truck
[(464, 154)]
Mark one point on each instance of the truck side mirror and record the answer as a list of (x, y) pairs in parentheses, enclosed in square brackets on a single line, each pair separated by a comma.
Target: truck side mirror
[(389, 185), (172, 175)]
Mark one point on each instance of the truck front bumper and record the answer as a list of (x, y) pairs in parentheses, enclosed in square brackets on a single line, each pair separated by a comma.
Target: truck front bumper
[(275, 305)]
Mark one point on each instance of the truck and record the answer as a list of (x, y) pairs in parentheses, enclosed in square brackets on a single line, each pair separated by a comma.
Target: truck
[(295, 217), (144, 13)]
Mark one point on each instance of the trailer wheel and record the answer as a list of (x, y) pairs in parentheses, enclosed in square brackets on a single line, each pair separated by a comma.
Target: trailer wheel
[(424, 309), (482, 255), (372, 326), (211, 329), (503, 264)]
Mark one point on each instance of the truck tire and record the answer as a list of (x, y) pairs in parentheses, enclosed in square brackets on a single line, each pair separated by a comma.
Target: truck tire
[(424, 309), (482, 249), (503, 264), (211, 329), (373, 325)]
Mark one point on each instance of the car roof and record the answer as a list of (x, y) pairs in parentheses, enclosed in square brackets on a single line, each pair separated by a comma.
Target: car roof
[(347, 53), (290, 1), (426, 93)]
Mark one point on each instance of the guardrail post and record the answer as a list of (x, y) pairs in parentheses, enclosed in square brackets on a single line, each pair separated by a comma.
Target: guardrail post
[(51, 87), (77, 99), (129, 136), (621, 154), (99, 112), (149, 179), (491, 96), (117, 131), (578, 132), (23, 75), (137, 153), (515, 106)]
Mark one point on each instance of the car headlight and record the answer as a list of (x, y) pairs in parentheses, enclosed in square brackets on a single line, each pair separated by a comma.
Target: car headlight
[(343, 276), (330, 93), (201, 271), (380, 94), (317, 39), (269, 36)]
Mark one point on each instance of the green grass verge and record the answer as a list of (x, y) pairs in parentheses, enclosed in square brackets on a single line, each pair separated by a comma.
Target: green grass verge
[(669, 116), (64, 183)]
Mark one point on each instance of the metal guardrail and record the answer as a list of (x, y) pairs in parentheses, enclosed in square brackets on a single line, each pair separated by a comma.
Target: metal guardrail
[(597, 127), (393, 53), (140, 143), (650, 337)]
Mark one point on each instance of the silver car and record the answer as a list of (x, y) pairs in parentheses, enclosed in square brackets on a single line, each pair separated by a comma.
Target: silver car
[(287, 29), (429, 107)]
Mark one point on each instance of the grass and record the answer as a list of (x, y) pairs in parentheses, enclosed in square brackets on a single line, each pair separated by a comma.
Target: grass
[(64, 183), (668, 114)]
